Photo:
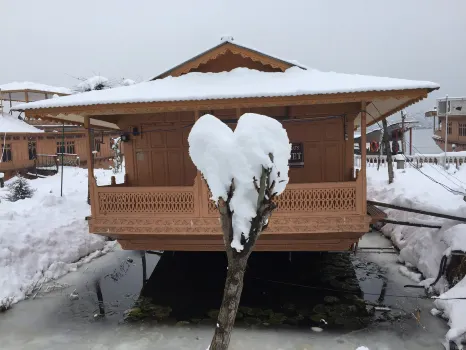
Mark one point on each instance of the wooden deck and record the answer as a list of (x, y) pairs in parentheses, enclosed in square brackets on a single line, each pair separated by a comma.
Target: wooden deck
[(310, 217)]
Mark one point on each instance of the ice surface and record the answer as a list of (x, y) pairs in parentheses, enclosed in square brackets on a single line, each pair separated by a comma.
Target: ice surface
[(224, 156)]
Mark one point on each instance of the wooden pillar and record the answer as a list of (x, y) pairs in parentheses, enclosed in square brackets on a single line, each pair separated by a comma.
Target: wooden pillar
[(26, 96), (90, 163), (411, 141), (201, 202), (363, 156)]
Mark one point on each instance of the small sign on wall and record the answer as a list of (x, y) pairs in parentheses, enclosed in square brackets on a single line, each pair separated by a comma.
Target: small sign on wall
[(297, 156)]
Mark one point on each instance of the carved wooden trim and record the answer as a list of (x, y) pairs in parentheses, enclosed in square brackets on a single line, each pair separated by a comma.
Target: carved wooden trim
[(185, 225), (189, 65)]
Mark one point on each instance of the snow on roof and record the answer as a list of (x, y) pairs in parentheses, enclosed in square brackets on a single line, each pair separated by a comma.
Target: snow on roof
[(230, 40), (92, 82), (27, 85), (238, 83), (11, 124)]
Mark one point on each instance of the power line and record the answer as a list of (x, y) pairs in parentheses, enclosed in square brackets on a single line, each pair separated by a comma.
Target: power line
[(429, 177)]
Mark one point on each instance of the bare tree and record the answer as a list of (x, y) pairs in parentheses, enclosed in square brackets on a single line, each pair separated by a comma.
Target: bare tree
[(237, 261), (244, 205), (386, 141)]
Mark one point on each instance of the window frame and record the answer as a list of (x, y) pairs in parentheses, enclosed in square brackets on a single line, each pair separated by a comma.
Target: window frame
[(7, 153)]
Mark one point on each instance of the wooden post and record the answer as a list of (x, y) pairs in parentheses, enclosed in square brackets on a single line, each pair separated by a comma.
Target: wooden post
[(26, 96), (363, 155), (411, 141), (90, 164)]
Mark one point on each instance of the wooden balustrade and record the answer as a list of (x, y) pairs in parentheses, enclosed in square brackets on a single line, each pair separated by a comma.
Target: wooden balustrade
[(195, 201)]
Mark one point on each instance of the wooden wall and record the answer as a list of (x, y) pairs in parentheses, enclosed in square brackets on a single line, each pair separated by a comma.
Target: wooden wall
[(46, 143), (159, 155)]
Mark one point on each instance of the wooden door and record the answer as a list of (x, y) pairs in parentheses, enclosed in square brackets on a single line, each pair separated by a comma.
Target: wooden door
[(323, 147), (162, 156)]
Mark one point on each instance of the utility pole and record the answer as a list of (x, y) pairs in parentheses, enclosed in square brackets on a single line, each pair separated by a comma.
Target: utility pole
[(403, 117), (446, 130)]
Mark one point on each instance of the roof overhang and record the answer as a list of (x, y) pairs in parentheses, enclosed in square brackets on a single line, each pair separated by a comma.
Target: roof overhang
[(27, 95), (380, 105)]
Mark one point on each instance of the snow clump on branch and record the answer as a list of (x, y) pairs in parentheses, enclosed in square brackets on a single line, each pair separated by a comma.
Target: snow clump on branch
[(225, 157)]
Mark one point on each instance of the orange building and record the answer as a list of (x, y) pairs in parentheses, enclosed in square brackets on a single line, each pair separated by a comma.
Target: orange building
[(26, 144)]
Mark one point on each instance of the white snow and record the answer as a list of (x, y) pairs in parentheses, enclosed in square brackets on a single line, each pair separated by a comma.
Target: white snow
[(44, 237), (11, 124), (362, 348), (238, 83), (223, 155), (424, 247), (27, 85), (92, 82)]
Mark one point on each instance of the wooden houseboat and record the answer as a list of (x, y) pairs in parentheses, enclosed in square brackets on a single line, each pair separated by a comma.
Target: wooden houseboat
[(27, 144), (164, 204)]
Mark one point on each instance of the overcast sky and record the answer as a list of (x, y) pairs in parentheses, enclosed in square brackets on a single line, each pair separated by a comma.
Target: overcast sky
[(53, 41)]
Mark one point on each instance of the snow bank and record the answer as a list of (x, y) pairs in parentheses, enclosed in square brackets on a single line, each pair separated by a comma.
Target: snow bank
[(44, 237), (424, 247), (223, 155)]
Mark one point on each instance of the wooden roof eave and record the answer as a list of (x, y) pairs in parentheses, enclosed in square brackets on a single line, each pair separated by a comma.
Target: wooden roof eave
[(375, 119), (414, 95)]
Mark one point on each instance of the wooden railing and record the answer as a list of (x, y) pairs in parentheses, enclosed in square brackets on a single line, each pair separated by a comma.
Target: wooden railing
[(416, 160), (118, 200), (308, 199)]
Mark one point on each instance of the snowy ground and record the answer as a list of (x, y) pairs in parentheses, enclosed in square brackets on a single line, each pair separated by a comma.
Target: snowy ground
[(423, 248), (54, 320), (45, 237)]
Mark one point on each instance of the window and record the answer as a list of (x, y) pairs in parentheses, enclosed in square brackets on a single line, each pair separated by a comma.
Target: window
[(462, 129), (70, 147), (449, 128), (6, 153), (97, 143), (32, 150), (60, 147)]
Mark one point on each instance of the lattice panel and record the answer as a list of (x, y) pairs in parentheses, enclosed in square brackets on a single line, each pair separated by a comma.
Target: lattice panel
[(318, 199), (211, 207), (146, 202)]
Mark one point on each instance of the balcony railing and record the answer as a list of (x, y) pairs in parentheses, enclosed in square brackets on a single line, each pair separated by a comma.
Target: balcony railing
[(308, 199)]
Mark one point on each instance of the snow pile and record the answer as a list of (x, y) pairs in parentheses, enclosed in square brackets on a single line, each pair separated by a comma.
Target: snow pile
[(224, 156), (93, 83), (44, 237), (424, 247)]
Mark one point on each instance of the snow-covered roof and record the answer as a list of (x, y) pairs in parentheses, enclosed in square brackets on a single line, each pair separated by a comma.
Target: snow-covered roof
[(27, 85), (11, 124), (238, 83)]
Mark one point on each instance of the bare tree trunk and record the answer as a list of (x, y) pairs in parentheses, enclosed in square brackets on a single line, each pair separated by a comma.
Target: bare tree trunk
[(389, 151), (230, 303), (382, 132)]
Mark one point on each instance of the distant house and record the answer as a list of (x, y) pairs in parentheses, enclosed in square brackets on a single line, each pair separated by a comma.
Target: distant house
[(455, 132), (164, 203), (26, 144), (395, 130)]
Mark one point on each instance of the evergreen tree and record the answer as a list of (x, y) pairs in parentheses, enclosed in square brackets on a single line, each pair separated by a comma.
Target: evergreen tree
[(19, 189)]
